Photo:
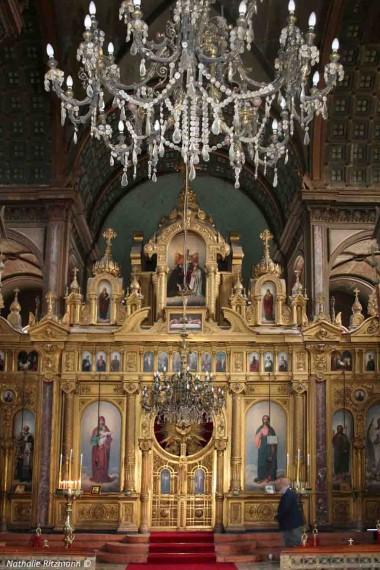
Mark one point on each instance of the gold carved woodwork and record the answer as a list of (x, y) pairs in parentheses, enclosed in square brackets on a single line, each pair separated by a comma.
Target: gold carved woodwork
[(97, 511), (342, 511), (260, 512), (21, 511)]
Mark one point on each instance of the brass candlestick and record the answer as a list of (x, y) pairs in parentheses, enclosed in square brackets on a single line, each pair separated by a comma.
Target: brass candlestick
[(70, 489), (68, 529)]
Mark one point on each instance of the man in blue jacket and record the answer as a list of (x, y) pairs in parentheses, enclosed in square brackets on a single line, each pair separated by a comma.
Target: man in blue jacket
[(289, 516)]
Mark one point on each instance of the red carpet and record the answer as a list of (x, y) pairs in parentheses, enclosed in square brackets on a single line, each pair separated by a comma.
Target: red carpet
[(188, 550)]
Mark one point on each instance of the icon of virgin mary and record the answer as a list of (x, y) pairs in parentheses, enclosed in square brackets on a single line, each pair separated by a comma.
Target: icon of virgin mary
[(101, 440)]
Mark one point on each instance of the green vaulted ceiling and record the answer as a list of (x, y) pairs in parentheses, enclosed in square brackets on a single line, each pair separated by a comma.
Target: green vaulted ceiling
[(142, 208)]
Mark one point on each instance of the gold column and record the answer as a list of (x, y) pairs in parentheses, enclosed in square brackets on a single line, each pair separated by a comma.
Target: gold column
[(236, 455), (220, 446), (358, 477), (68, 415), (130, 450), (299, 388), (145, 446), (161, 288)]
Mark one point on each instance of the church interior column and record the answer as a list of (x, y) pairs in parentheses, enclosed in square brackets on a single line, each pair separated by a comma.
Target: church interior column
[(56, 251), (322, 502), (318, 269), (130, 449), (220, 446), (44, 495), (68, 414), (145, 447), (236, 456), (6, 450)]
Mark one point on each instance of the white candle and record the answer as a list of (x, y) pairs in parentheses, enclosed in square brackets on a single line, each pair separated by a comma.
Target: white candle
[(80, 470), (60, 471), (308, 459)]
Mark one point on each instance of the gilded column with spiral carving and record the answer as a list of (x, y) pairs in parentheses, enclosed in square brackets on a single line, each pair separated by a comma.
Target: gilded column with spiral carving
[(145, 447), (130, 463), (220, 446), (236, 454)]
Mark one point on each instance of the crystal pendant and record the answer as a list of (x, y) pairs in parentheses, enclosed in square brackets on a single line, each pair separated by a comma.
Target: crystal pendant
[(205, 154), (112, 162), (192, 173), (124, 179), (142, 68), (75, 137), (215, 127), (275, 180), (177, 136)]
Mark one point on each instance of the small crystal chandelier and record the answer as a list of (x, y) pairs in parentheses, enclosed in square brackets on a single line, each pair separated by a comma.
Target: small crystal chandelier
[(183, 398), (195, 94)]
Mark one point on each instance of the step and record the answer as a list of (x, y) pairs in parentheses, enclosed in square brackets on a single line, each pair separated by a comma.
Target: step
[(126, 548), (180, 557), (235, 547), (181, 547), (174, 537), (247, 558), (113, 558)]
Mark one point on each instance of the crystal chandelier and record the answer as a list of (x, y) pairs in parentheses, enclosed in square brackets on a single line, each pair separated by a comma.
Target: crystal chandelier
[(195, 95), (183, 398)]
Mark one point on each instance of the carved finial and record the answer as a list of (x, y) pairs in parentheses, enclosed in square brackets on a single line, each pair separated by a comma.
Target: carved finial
[(106, 264), (267, 265), (357, 316), (332, 308), (14, 317), (74, 287), (372, 306), (320, 314), (297, 287), (134, 297), (50, 302)]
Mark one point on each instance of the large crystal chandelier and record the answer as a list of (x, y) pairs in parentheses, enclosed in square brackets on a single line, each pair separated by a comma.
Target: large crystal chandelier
[(195, 94), (182, 398)]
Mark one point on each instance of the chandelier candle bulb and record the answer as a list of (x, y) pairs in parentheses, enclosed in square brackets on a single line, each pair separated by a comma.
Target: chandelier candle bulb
[(92, 8), (87, 22), (335, 45), (121, 127), (50, 51), (111, 48), (243, 8), (312, 20), (69, 82), (316, 78), (291, 7)]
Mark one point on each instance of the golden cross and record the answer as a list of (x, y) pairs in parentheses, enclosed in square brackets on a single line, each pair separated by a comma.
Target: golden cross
[(356, 291), (109, 234), (75, 271), (266, 236)]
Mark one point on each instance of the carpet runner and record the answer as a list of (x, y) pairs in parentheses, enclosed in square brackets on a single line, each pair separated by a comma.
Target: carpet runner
[(189, 550)]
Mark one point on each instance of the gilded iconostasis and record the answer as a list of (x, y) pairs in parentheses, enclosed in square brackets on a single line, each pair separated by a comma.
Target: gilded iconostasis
[(302, 397)]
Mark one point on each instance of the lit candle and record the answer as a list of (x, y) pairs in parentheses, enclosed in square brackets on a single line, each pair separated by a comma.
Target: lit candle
[(287, 465), (70, 462), (60, 471), (298, 465), (308, 459), (80, 470)]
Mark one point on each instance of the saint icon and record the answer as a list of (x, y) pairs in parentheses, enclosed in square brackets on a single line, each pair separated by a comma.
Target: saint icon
[(266, 444), (104, 305), (24, 455), (268, 308), (101, 440)]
